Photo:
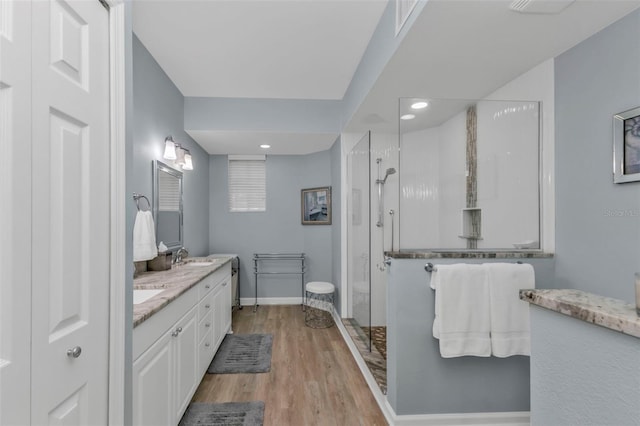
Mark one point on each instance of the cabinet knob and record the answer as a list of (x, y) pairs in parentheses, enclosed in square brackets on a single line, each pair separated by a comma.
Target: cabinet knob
[(207, 286), (74, 352), (225, 283), (207, 306), (175, 333), (207, 325), (179, 329), (207, 344)]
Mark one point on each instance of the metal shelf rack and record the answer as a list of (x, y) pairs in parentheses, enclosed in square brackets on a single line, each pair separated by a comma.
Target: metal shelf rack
[(258, 258)]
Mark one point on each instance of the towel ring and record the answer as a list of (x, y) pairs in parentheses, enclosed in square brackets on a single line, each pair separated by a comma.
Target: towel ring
[(137, 197)]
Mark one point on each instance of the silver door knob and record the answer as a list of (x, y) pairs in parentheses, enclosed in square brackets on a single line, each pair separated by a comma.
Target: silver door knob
[(74, 352)]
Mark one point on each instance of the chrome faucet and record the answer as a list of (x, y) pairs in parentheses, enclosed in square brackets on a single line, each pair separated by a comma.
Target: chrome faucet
[(182, 252)]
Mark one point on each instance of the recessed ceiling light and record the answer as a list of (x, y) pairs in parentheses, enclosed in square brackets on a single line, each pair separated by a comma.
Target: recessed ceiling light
[(265, 146), (419, 105), (407, 117)]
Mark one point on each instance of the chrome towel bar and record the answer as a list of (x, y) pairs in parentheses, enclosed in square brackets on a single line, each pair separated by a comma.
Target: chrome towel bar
[(430, 267)]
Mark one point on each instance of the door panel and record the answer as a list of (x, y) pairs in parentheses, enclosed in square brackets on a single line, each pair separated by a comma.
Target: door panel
[(70, 268), (15, 212)]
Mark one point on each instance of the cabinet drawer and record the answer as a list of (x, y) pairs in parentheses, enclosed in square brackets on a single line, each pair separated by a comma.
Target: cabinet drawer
[(206, 352), (211, 281), (206, 305), (206, 286), (206, 325)]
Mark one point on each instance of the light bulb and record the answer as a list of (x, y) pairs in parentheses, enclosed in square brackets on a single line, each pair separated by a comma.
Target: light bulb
[(169, 149), (180, 156), (188, 161)]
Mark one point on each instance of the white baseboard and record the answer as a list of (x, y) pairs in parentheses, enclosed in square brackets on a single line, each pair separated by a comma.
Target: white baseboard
[(462, 419), (249, 301)]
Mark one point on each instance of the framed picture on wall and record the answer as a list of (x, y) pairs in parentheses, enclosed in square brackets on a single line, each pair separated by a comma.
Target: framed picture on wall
[(626, 146), (316, 206)]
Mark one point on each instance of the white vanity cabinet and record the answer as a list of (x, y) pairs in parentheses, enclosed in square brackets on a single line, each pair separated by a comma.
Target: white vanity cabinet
[(173, 348), (165, 375)]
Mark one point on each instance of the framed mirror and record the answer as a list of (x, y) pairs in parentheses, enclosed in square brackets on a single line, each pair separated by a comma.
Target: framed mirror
[(167, 205)]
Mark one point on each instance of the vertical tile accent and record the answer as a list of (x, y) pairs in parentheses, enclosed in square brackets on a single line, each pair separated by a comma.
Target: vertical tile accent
[(472, 177)]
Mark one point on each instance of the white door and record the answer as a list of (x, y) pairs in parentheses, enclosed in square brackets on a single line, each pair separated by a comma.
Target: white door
[(70, 202), (15, 211)]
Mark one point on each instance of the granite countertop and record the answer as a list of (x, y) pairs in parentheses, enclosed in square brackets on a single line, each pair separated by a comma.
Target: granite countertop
[(174, 281), (604, 311), (468, 254)]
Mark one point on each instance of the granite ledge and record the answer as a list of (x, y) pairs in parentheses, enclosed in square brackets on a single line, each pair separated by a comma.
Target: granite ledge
[(174, 281), (603, 311), (469, 254)]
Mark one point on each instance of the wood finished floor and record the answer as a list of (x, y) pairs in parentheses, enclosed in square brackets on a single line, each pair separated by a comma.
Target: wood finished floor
[(314, 380)]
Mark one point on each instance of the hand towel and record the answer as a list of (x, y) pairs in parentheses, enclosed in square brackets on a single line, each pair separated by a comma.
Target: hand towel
[(144, 237), (462, 315), (510, 329)]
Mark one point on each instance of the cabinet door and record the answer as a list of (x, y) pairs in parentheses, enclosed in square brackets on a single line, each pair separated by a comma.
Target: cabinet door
[(153, 384), (226, 289), (219, 303), (186, 362)]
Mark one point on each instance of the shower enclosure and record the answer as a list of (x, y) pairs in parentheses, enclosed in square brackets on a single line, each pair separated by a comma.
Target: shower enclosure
[(359, 240)]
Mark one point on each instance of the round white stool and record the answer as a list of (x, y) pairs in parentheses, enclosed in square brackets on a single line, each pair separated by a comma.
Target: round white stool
[(318, 304)]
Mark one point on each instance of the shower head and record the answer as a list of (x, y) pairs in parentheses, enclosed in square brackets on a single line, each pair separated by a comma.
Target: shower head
[(390, 171)]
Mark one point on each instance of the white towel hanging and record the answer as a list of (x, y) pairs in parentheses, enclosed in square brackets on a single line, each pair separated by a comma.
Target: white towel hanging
[(144, 237), (510, 328), (462, 315)]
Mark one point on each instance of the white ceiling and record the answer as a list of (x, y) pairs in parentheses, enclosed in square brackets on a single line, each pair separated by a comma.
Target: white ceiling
[(280, 49), (309, 49), (231, 142), (468, 49)]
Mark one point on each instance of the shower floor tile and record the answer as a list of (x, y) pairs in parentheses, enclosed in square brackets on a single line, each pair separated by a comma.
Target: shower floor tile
[(375, 361)]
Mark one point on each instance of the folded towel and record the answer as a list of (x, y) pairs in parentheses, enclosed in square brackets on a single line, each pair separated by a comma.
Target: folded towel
[(462, 322), (144, 237), (510, 330)]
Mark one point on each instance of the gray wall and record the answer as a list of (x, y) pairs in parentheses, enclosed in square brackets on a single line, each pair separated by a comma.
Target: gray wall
[(336, 161), (419, 380), (582, 374), (279, 228), (158, 112), (597, 241)]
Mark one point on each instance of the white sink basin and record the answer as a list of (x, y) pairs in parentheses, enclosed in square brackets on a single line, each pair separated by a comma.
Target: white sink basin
[(198, 264), (140, 296)]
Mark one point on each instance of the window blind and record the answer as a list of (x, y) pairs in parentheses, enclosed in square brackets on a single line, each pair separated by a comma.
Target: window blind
[(169, 192), (247, 183)]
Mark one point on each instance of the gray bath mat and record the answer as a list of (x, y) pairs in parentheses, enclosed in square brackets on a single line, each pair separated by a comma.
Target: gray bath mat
[(224, 414), (243, 353)]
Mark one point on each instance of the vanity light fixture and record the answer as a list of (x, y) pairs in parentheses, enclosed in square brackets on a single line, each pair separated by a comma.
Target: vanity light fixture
[(188, 161), (265, 146), (179, 156), (169, 149), (407, 117), (174, 151), (419, 105)]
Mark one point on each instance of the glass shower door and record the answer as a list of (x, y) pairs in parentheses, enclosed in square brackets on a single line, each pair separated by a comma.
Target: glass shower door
[(359, 238)]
